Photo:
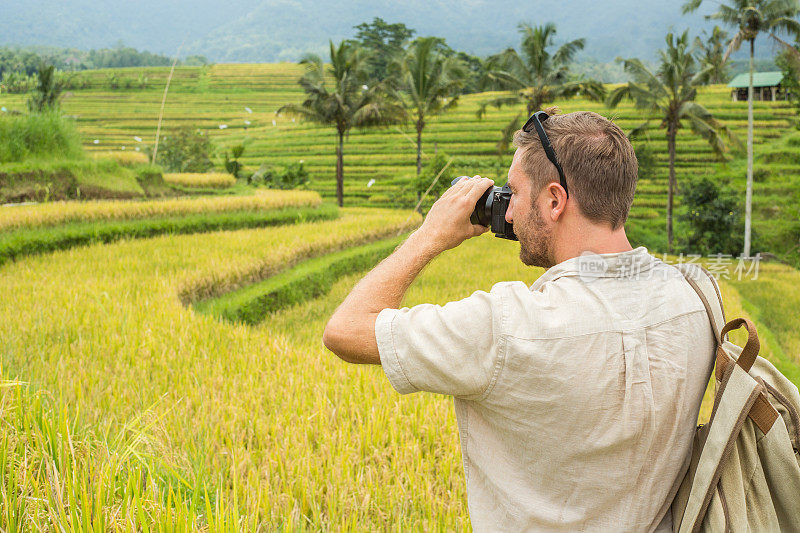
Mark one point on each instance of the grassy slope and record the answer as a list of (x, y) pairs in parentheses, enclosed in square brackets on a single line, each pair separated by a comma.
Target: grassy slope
[(50, 180)]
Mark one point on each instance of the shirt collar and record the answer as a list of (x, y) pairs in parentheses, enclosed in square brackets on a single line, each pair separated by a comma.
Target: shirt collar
[(591, 266)]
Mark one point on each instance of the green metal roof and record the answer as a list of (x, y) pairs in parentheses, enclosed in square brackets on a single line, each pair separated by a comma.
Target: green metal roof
[(760, 79)]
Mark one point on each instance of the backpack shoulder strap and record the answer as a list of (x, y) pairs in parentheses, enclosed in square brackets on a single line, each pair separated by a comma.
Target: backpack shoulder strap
[(706, 287)]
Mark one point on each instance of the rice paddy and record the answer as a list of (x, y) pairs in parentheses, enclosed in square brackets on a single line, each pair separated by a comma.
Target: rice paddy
[(176, 412), (195, 179), (53, 213), (235, 103), (177, 381)]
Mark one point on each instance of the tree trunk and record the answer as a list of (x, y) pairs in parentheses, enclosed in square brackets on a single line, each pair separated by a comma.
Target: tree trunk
[(340, 170), (420, 125), (671, 132), (748, 203), (419, 147)]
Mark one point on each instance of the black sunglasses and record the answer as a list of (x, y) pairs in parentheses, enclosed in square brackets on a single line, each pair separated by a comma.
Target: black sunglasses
[(548, 148)]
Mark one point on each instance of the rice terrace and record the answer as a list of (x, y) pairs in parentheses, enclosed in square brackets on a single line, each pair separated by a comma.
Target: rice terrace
[(161, 357)]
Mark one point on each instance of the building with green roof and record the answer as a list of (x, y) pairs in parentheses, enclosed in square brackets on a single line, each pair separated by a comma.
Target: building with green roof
[(766, 86)]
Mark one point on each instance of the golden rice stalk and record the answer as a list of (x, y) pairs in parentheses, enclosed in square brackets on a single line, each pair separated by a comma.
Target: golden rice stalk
[(218, 180), (126, 159), (54, 213)]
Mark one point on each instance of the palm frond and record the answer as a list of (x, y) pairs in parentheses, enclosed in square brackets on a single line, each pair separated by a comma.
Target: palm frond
[(506, 134), (567, 51), (690, 6), (636, 68), (617, 95), (302, 112), (788, 47), (785, 24), (709, 133), (734, 45), (702, 122), (312, 60), (639, 130), (728, 15), (498, 102)]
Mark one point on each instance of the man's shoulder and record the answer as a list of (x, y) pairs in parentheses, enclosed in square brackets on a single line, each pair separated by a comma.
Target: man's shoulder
[(572, 306)]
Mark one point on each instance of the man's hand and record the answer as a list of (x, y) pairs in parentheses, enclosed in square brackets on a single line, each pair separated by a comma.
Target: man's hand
[(447, 223)]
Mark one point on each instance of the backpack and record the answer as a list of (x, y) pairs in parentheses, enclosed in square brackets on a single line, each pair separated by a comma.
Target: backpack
[(744, 470)]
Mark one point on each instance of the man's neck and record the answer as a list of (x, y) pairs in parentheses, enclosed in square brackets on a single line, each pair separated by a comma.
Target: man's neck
[(590, 237)]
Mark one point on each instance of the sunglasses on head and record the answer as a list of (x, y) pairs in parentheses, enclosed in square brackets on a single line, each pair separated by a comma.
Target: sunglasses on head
[(536, 122)]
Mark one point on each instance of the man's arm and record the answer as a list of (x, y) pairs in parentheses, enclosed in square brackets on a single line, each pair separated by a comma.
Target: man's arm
[(350, 332)]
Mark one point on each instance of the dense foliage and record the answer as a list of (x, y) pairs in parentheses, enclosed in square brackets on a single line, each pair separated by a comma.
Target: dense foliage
[(28, 60), (790, 67), (384, 42), (187, 149), (292, 176), (712, 214)]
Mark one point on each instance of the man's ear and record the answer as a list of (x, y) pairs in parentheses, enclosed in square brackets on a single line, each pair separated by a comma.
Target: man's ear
[(556, 200)]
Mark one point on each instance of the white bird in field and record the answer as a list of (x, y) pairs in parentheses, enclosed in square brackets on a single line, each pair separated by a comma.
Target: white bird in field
[(223, 126), (274, 123), (96, 141), (248, 109), (137, 139), (371, 182), (123, 147), (247, 122)]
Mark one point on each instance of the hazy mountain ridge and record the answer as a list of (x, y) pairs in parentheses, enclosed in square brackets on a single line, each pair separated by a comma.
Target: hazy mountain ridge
[(275, 30)]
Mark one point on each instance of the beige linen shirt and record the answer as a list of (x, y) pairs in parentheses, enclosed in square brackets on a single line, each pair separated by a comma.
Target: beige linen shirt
[(576, 398)]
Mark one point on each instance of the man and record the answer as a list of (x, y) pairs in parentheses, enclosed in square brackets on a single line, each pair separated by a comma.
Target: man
[(576, 397)]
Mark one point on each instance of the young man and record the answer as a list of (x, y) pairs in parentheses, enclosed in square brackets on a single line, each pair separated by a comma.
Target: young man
[(576, 397)]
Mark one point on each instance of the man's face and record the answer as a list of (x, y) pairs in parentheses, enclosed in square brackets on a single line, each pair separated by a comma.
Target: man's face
[(534, 232)]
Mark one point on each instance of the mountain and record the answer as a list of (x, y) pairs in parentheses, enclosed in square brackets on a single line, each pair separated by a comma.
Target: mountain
[(278, 30)]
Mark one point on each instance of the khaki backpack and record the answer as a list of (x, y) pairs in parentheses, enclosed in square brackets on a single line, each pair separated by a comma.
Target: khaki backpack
[(744, 469)]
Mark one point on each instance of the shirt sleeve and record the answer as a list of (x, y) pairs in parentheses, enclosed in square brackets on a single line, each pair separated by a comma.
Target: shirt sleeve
[(453, 349)]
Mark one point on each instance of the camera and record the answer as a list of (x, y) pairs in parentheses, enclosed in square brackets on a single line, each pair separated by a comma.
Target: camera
[(491, 210)]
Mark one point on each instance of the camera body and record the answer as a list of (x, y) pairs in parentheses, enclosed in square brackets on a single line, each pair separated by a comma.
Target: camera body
[(490, 210)]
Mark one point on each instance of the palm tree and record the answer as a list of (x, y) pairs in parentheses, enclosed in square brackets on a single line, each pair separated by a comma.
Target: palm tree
[(425, 82), (534, 76), (48, 90), (749, 18), (669, 95), (713, 64), (351, 102)]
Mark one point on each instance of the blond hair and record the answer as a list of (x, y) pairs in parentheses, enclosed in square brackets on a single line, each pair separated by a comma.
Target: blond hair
[(598, 160)]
